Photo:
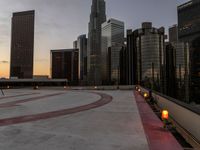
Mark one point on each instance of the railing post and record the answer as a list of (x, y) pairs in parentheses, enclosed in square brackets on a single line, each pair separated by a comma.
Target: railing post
[(2, 91)]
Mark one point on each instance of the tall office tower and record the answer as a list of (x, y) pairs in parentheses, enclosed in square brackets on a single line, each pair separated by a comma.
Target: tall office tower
[(64, 64), (182, 70), (145, 48), (189, 31), (97, 17), (131, 75), (82, 46), (181, 64), (22, 44), (112, 41), (173, 34), (150, 47), (170, 71), (123, 66), (113, 65), (188, 22)]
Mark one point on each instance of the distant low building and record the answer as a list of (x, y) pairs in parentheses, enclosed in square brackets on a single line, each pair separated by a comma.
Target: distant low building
[(64, 64), (40, 77)]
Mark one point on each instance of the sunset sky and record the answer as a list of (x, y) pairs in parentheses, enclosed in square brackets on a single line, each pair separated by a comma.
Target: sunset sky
[(60, 22)]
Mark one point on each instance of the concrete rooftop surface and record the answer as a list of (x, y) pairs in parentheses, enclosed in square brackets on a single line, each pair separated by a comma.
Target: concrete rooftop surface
[(72, 120)]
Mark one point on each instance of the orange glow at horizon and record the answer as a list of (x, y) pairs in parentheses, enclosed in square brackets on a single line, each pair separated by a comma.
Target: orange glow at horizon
[(4, 70), (39, 69)]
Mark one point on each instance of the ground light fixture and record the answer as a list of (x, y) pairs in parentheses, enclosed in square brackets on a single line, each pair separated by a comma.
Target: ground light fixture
[(136, 88), (165, 117), (35, 87), (2, 91), (146, 95)]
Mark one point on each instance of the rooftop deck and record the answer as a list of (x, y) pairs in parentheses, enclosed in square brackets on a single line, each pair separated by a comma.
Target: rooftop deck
[(79, 120)]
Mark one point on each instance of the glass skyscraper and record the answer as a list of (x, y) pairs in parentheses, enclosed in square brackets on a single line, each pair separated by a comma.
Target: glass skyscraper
[(97, 17), (145, 56), (189, 31), (22, 44), (181, 54), (82, 47), (111, 44), (188, 20)]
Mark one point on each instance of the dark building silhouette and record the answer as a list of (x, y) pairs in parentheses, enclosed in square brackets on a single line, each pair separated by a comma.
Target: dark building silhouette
[(189, 31), (188, 20), (97, 17), (170, 71), (173, 34), (22, 44), (195, 71), (64, 65), (82, 47), (181, 56), (131, 74), (123, 66)]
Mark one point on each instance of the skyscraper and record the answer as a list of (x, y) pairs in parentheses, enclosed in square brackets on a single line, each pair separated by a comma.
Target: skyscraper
[(188, 21), (189, 31), (82, 47), (22, 44), (64, 64), (123, 66), (97, 17), (173, 34), (145, 48), (112, 41), (130, 56), (181, 54), (169, 71), (150, 50)]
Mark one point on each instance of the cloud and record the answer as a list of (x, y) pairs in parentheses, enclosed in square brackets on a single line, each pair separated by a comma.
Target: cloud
[(4, 62)]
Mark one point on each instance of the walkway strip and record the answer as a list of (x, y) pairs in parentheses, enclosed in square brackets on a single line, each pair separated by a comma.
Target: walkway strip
[(158, 138)]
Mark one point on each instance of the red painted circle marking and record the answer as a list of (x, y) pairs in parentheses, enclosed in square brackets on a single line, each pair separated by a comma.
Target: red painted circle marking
[(105, 99)]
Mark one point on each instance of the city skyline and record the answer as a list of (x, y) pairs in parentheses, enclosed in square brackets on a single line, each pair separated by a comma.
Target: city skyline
[(53, 32)]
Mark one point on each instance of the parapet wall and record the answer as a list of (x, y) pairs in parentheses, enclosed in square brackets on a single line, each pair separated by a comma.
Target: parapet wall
[(182, 113)]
